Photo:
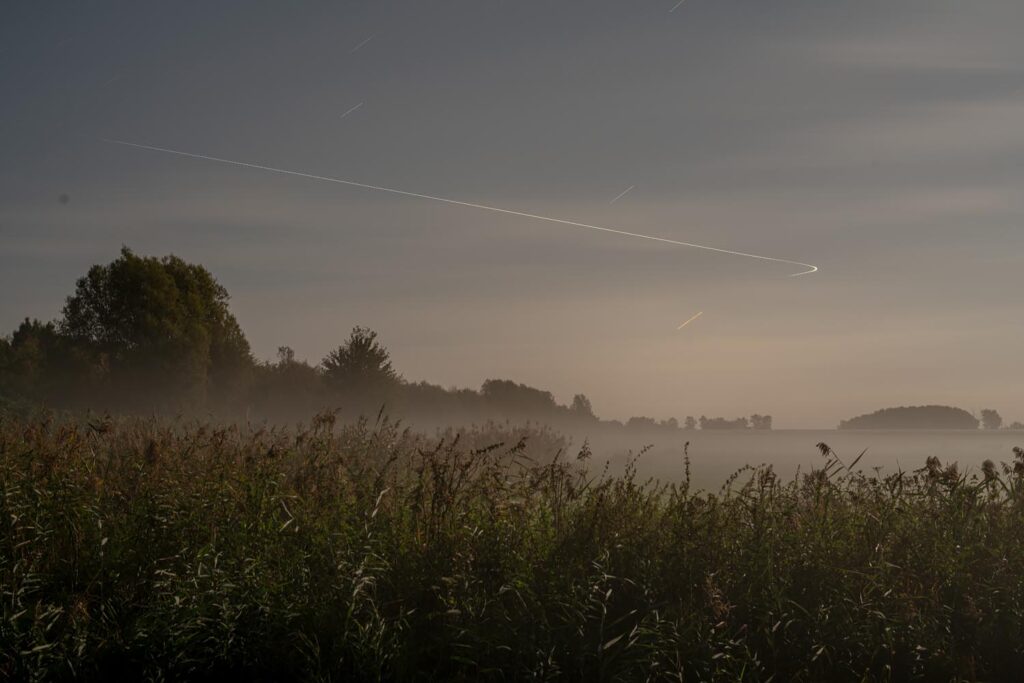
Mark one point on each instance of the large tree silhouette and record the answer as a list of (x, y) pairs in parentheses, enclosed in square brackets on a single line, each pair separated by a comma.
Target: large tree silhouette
[(991, 419), (582, 407), (158, 326), (360, 369)]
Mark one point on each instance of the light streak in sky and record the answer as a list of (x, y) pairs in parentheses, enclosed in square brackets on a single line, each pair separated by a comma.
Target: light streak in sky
[(362, 43), (623, 194), (351, 110), (690, 320), (807, 266), (677, 5)]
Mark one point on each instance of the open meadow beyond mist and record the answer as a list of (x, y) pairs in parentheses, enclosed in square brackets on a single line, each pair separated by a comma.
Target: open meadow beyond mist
[(715, 455)]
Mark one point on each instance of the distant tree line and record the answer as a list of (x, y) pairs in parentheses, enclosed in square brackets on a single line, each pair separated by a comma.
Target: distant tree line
[(156, 335), (927, 417), (752, 422)]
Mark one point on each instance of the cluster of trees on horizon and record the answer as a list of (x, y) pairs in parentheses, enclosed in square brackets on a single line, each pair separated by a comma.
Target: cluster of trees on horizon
[(156, 335), (928, 417)]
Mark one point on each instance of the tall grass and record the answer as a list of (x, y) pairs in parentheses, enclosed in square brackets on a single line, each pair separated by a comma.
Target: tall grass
[(169, 551)]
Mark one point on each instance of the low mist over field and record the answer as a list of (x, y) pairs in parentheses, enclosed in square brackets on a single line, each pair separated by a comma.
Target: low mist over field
[(156, 337)]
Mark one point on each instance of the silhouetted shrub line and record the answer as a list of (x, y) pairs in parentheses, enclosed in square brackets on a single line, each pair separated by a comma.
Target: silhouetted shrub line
[(168, 550), (924, 417), (145, 335)]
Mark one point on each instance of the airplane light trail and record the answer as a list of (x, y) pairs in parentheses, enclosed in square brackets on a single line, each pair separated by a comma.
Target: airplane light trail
[(622, 194), (690, 320), (809, 268), (362, 43), (351, 110)]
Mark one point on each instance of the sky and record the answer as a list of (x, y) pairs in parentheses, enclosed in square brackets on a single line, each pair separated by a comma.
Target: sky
[(880, 140)]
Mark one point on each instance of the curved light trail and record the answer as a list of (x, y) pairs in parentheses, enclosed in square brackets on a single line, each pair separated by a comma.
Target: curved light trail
[(807, 266)]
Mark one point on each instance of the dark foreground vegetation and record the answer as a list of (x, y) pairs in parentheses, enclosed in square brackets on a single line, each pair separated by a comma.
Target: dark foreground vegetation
[(142, 549)]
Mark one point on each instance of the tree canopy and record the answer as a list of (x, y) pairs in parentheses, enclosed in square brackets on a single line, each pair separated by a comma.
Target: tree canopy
[(991, 419), (914, 417), (149, 334), (361, 368), (158, 324), (723, 423)]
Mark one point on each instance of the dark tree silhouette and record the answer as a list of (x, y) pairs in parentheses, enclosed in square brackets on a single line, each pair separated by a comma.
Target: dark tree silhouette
[(991, 419), (144, 334), (518, 399), (285, 355), (914, 417), (38, 363), (582, 407), (361, 368), (722, 423), (158, 324), (288, 389)]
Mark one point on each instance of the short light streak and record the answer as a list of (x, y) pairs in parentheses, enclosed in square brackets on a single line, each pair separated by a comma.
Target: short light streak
[(362, 43), (677, 5), (807, 266), (690, 320), (623, 194), (351, 110)]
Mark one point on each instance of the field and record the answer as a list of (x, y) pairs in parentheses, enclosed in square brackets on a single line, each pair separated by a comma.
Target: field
[(170, 550), (717, 454)]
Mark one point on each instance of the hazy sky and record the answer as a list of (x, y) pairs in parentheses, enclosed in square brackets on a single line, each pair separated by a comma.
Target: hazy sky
[(882, 140)]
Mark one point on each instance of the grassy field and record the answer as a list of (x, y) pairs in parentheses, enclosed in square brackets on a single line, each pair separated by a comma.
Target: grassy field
[(160, 550), (716, 454)]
